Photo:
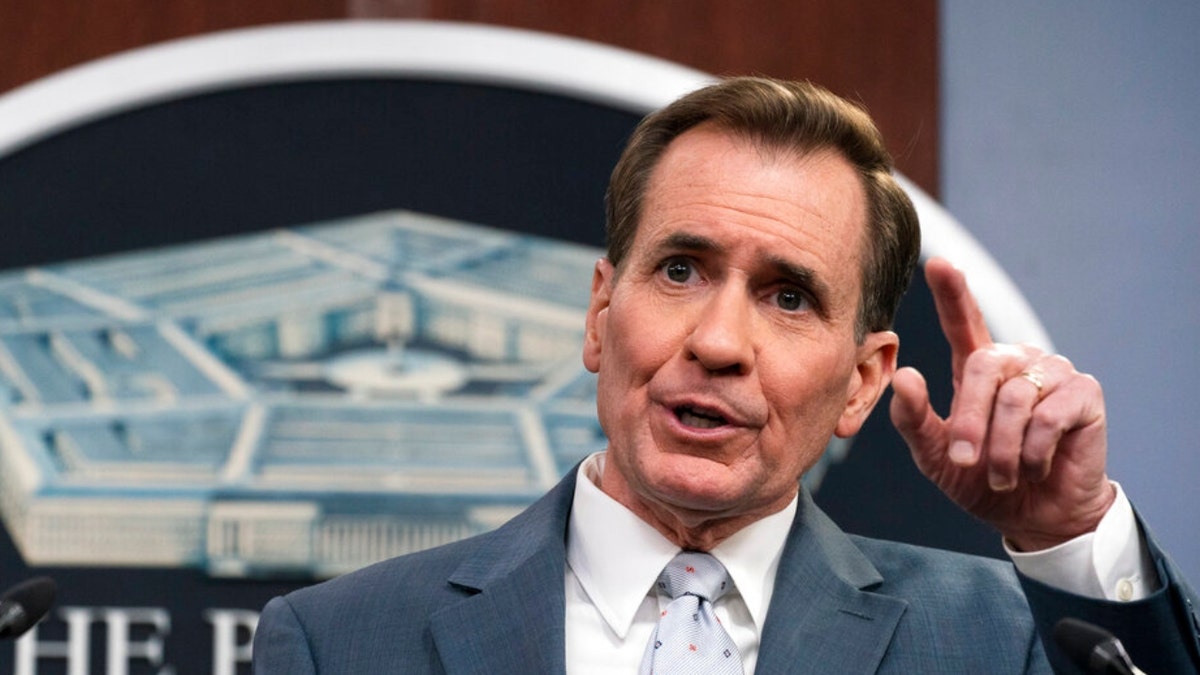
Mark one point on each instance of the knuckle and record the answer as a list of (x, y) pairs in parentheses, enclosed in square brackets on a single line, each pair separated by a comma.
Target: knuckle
[(1062, 362), (982, 361), (1015, 395), (1030, 351), (1047, 418), (968, 427)]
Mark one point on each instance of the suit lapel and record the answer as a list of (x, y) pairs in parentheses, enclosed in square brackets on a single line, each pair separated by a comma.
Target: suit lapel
[(513, 619), (823, 617)]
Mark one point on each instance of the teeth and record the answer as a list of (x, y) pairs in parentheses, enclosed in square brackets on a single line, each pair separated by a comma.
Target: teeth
[(694, 419)]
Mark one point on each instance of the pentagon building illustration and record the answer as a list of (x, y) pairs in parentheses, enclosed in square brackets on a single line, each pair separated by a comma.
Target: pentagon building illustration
[(304, 401), (301, 402)]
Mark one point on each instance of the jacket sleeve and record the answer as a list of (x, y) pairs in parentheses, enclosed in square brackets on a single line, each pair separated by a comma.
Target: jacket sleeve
[(1160, 632)]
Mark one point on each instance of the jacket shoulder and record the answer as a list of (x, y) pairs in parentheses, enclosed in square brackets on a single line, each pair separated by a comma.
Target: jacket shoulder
[(924, 575), (383, 611), (960, 607)]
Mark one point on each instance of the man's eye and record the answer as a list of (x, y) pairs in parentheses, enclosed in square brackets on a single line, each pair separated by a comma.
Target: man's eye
[(791, 300), (677, 270)]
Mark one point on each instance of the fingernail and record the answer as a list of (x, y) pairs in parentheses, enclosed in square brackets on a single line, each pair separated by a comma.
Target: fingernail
[(999, 482), (962, 452)]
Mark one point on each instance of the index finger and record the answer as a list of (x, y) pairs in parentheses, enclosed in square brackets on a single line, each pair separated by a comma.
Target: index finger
[(958, 313)]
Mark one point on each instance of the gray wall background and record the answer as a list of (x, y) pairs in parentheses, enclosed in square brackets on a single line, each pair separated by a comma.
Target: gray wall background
[(1071, 150)]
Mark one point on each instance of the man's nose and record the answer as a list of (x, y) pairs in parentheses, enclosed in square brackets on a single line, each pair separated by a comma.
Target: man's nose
[(722, 337)]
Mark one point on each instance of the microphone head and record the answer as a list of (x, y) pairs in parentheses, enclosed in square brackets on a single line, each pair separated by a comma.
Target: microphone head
[(25, 604), (1091, 647)]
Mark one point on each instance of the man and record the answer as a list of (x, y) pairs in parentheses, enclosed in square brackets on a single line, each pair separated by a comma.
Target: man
[(757, 250)]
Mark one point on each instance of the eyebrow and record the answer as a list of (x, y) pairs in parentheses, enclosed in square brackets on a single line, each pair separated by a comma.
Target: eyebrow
[(800, 276), (687, 241)]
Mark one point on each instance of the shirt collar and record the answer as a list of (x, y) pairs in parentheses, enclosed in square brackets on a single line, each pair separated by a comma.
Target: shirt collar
[(616, 556)]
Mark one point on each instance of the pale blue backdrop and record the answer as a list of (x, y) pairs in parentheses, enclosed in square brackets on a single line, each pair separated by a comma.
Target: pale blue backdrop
[(1071, 150)]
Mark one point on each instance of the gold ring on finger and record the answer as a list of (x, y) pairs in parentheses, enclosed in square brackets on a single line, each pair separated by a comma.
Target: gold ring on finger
[(1037, 378)]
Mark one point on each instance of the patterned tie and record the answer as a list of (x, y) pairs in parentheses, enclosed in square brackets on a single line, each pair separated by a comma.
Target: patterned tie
[(689, 637)]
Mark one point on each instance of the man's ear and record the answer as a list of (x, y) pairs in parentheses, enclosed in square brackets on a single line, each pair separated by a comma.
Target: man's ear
[(876, 365), (597, 315)]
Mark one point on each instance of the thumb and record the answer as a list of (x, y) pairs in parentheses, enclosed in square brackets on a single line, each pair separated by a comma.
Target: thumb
[(914, 417)]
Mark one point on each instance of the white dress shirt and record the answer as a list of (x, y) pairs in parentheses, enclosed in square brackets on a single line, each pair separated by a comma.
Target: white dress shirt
[(614, 558), (1111, 563)]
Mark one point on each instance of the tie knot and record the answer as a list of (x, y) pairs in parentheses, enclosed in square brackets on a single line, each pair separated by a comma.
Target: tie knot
[(694, 573)]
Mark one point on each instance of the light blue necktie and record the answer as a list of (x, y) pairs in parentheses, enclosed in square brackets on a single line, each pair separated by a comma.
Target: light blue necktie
[(689, 638)]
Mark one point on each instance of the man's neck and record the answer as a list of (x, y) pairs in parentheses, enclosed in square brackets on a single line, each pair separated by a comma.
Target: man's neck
[(690, 529)]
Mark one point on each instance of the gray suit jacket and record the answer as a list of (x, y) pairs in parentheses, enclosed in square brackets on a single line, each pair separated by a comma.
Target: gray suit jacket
[(842, 604)]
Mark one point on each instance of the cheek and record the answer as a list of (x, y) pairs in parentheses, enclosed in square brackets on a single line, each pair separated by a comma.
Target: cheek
[(625, 366), (646, 340), (807, 400)]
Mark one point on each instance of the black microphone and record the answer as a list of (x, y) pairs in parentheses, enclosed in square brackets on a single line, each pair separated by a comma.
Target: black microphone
[(24, 605), (1092, 648)]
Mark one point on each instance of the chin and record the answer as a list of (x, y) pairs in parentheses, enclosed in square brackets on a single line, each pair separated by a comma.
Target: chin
[(701, 488)]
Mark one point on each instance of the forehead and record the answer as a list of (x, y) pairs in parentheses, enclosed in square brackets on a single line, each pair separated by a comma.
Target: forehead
[(809, 208)]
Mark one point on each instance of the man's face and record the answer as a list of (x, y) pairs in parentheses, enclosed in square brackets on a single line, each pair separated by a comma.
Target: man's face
[(725, 345)]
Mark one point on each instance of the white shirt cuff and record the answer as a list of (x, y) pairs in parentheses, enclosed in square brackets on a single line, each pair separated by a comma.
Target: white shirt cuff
[(1111, 563)]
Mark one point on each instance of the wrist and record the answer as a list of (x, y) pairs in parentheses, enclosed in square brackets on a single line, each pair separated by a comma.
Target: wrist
[(1082, 520)]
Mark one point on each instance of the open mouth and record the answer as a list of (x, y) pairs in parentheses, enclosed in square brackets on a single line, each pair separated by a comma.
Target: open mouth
[(699, 418)]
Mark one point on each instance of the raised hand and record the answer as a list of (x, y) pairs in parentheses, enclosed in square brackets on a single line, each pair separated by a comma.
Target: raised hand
[(1025, 444)]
